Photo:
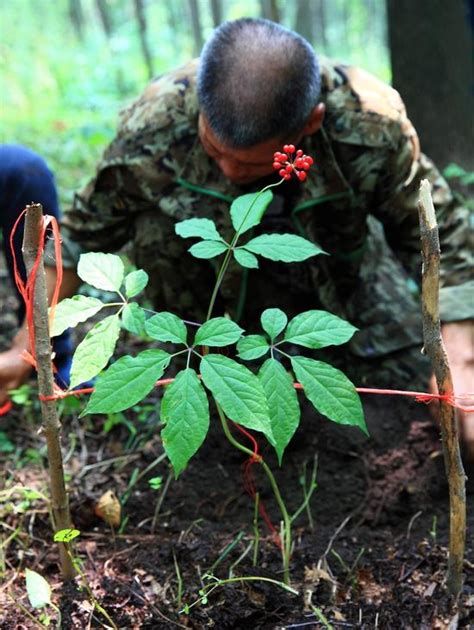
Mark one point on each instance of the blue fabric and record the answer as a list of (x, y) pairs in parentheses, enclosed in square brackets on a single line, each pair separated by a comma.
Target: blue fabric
[(26, 178)]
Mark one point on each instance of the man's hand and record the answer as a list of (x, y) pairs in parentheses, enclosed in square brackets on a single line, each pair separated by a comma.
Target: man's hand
[(458, 340), (14, 371)]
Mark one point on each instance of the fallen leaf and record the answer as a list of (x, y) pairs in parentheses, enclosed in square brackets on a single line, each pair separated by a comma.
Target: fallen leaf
[(108, 508)]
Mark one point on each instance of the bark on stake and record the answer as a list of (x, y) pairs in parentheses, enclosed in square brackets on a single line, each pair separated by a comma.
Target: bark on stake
[(51, 424), (434, 348)]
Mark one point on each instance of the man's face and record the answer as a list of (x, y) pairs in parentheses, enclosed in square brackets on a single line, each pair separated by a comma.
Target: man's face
[(241, 166)]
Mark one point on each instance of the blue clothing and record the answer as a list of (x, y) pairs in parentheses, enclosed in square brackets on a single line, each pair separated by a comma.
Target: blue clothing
[(25, 178)]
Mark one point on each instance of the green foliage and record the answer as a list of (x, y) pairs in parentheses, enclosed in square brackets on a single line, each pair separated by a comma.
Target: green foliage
[(284, 247), (73, 311), (282, 402), (102, 271), (166, 327), (38, 589), (135, 282), (133, 319), (245, 258), (318, 329), (66, 535), (252, 347), (185, 412), (208, 249), (238, 391), (247, 210), (218, 332), (95, 350), (201, 228), (330, 391), (127, 381), (273, 322)]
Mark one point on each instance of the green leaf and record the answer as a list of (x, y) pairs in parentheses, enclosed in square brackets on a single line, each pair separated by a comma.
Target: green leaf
[(102, 271), (127, 381), (273, 321), (242, 219), (166, 327), (135, 282), (208, 249), (218, 332), (284, 247), (318, 329), (202, 228), (252, 347), (238, 391), (38, 589), (330, 391), (245, 258), (73, 311), (66, 535), (94, 351), (185, 412), (133, 319), (282, 402)]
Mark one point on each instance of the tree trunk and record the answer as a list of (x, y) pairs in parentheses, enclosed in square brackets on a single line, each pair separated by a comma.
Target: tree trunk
[(105, 17), (216, 10), (196, 24), (303, 20), (319, 20), (437, 85), (76, 16), (142, 29), (269, 10)]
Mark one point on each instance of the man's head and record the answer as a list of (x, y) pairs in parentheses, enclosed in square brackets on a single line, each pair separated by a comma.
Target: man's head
[(258, 85)]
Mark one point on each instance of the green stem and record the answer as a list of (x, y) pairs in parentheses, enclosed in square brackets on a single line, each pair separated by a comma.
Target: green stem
[(228, 254), (286, 542)]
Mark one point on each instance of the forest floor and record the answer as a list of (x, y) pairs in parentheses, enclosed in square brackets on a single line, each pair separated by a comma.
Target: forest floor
[(370, 552)]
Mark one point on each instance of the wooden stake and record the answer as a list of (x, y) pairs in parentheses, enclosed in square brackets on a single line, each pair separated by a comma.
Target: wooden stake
[(434, 348), (51, 424)]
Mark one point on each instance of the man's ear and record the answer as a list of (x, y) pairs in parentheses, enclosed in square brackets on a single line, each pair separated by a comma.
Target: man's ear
[(315, 120)]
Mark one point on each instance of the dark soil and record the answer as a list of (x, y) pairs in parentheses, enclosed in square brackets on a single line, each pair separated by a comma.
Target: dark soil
[(374, 558)]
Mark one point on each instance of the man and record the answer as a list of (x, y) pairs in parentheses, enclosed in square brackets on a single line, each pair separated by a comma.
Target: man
[(25, 177), (204, 134)]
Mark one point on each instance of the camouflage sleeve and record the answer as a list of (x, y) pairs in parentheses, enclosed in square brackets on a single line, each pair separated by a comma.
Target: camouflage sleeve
[(396, 206)]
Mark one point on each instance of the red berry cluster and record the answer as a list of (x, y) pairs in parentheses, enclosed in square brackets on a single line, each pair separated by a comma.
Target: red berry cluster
[(286, 164)]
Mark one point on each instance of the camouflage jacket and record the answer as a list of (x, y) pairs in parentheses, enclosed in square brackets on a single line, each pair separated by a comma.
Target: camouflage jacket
[(367, 175)]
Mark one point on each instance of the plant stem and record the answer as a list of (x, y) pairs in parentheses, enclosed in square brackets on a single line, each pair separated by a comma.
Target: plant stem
[(42, 352), (434, 347), (286, 542), (228, 254)]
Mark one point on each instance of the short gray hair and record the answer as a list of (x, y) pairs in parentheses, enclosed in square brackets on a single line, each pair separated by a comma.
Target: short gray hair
[(257, 80)]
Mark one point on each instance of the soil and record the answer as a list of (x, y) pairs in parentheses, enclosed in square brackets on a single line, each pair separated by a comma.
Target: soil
[(369, 553)]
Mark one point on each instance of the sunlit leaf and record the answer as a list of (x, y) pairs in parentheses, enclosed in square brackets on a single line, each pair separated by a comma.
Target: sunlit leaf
[(284, 247), (66, 535), (72, 311), (102, 271), (252, 347), (135, 282), (208, 249), (245, 258), (242, 219), (201, 228), (38, 589), (133, 319), (95, 350)]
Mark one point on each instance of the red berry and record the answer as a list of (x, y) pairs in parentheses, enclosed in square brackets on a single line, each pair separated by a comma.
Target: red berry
[(301, 176), (287, 176), (283, 158), (299, 162), (309, 159), (282, 173), (286, 148), (289, 168), (291, 148), (299, 153), (276, 165), (306, 165)]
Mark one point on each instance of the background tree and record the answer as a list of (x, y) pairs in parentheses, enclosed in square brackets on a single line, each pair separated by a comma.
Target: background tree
[(142, 30), (196, 26), (216, 11), (432, 65)]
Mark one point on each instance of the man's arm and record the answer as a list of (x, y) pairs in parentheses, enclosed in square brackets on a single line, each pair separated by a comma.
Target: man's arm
[(14, 370)]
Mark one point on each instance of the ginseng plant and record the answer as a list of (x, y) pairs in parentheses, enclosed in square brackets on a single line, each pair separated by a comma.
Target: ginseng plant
[(266, 401)]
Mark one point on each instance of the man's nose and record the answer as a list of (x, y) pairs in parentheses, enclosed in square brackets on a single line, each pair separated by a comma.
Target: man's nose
[(230, 168)]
